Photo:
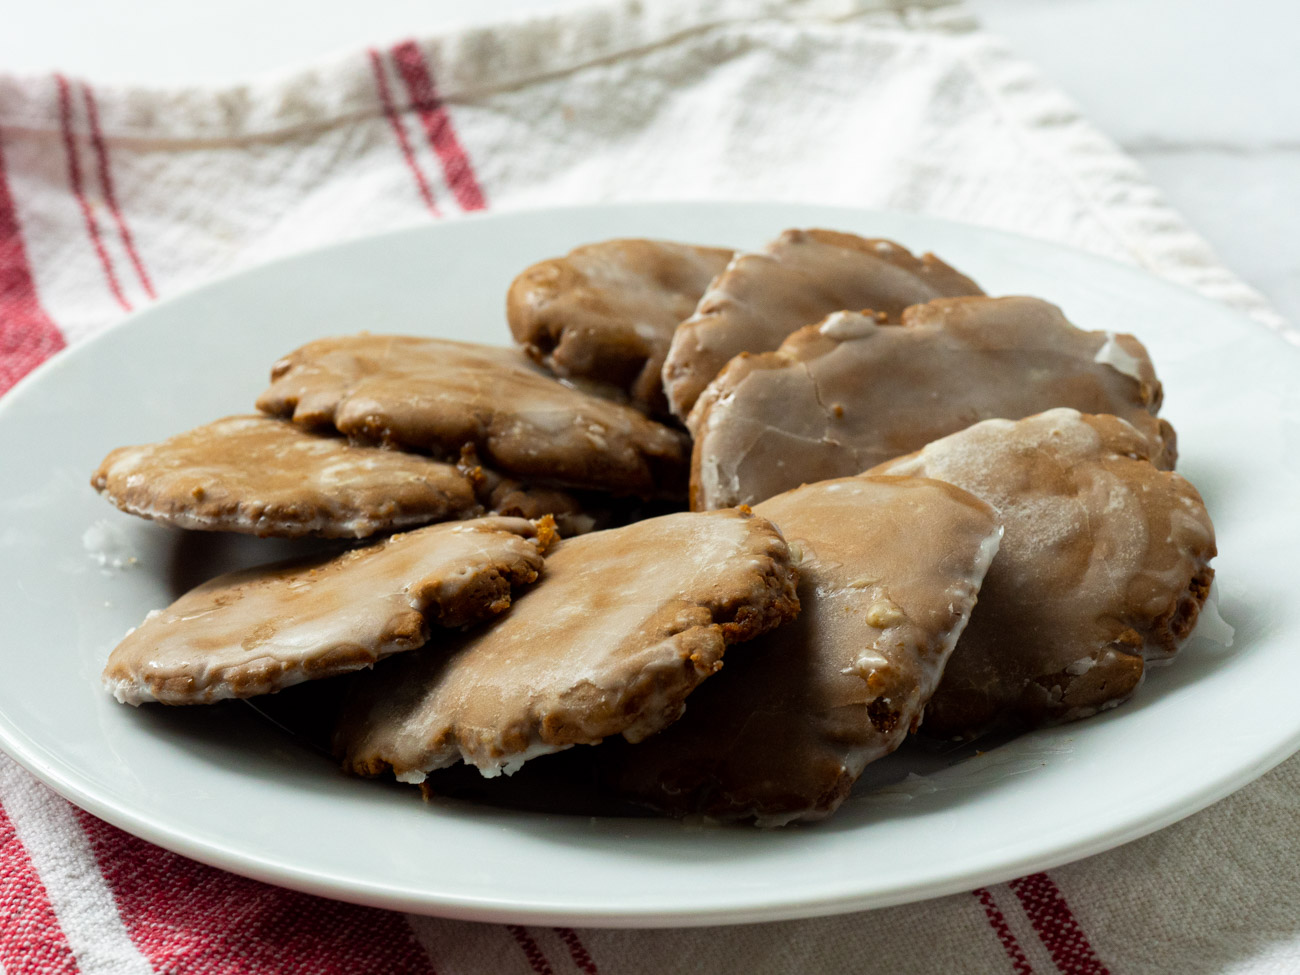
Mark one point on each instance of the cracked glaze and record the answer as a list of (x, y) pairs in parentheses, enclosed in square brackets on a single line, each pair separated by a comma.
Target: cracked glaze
[(263, 629), (849, 393), (263, 476), (442, 397), (1104, 565), (623, 625), (890, 570), (606, 312), (797, 279)]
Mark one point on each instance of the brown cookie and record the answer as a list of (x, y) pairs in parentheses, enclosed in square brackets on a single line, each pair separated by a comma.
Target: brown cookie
[(607, 312), (264, 629), (513, 498), (798, 279), (262, 476), (849, 393), (890, 570), (574, 513), (623, 626), (1103, 565), (439, 396)]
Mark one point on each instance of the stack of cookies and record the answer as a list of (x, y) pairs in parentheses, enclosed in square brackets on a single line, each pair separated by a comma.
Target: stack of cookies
[(889, 503)]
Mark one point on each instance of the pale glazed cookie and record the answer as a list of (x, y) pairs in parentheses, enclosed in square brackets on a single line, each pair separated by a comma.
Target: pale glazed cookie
[(262, 476), (796, 280), (623, 626), (264, 629), (607, 312), (890, 570), (849, 393), (440, 396), (1104, 564)]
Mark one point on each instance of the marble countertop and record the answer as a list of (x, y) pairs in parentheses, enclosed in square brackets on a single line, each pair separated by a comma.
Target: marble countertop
[(1205, 94)]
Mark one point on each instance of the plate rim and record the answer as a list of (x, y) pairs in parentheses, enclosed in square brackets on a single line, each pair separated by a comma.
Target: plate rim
[(506, 911)]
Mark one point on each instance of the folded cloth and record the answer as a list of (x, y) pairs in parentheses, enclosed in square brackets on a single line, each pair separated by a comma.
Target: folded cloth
[(112, 197)]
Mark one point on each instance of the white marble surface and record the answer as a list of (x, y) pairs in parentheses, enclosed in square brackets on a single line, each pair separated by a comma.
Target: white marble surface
[(1206, 93)]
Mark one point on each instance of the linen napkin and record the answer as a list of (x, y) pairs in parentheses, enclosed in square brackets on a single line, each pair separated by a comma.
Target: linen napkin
[(113, 197)]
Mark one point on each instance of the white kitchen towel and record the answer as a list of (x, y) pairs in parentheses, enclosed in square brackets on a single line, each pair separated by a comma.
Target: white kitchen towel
[(113, 197)]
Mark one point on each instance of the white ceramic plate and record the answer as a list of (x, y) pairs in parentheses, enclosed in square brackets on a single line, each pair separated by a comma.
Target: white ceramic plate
[(225, 788)]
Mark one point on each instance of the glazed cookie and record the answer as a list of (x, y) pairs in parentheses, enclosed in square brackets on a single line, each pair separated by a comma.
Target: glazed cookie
[(607, 312), (796, 280), (573, 516), (849, 393), (890, 570), (1104, 564), (574, 513), (439, 396), (514, 498), (262, 476), (623, 626), (264, 629)]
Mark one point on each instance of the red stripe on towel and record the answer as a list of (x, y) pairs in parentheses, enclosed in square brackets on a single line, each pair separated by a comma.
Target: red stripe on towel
[(110, 196), (1056, 926), (27, 335), (78, 190), (190, 919), (577, 951), (437, 126), (31, 941), (536, 959), (399, 130), (998, 922)]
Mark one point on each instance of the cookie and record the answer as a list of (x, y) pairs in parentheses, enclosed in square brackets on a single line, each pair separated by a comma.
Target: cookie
[(264, 629), (798, 279), (849, 393), (514, 498), (1104, 565), (574, 513), (439, 396), (261, 476), (623, 626), (607, 312), (890, 570)]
